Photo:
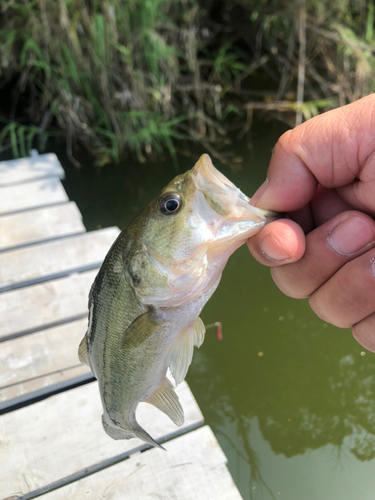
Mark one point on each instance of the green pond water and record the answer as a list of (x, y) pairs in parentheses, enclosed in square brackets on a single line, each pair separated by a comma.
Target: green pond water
[(289, 397)]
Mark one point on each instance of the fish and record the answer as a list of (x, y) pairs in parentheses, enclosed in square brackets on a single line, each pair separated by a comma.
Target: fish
[(145, 302)]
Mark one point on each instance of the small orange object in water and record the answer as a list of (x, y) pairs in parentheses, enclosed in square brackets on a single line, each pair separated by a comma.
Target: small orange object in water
[(219, 326), (219, 334)]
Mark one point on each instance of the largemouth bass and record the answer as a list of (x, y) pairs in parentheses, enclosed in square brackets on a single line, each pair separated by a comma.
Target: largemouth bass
[(145, 302)]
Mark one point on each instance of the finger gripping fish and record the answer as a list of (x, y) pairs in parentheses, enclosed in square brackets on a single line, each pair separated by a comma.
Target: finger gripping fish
[(145, 302)]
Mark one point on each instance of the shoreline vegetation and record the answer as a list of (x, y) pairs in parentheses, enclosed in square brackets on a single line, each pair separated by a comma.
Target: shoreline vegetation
[(132, 77)]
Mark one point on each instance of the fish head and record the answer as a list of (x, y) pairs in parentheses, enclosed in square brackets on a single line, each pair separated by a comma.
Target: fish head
[(192, 228)]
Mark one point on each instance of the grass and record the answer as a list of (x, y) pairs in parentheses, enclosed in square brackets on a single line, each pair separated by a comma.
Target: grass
[(124, 77)]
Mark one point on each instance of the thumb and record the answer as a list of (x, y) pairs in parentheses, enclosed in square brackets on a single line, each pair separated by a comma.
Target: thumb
[(290, 185), (331, 149)]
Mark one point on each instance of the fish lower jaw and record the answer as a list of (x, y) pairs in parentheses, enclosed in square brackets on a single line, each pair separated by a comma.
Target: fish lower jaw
[(235, 232)]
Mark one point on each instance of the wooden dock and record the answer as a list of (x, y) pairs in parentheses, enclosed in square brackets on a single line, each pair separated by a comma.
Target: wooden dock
[(51, 438)]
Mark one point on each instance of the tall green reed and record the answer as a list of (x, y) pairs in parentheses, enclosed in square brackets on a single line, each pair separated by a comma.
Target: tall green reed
[(132, 76)]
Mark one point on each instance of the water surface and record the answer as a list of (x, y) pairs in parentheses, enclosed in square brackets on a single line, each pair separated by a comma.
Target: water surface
[(289, 397)]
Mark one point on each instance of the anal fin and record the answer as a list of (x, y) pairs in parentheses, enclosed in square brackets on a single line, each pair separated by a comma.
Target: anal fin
[(166, 400)]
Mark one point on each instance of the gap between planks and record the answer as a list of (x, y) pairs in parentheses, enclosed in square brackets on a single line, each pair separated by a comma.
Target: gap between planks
[(78, 376), (39, 225), (43, 262), (30, 195), (39, 361), (45, 305)]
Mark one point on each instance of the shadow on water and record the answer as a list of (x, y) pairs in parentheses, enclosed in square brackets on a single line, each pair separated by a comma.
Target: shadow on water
[(290, 398)]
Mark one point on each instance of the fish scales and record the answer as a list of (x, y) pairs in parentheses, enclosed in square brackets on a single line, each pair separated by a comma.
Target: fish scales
[(145, 302)]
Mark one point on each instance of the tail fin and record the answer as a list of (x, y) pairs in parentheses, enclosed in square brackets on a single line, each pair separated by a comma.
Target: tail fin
[(133, 430)]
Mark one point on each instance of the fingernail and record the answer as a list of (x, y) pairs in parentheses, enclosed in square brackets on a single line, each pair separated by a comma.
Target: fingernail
[(273, 249), (259, 192), (351, 235)]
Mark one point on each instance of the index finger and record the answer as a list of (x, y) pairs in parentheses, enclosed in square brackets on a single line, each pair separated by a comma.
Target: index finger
[(331, 149)]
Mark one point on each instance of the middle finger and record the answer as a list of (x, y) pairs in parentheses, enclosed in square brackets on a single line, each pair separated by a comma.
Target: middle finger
[(328, 248), (348, 296)]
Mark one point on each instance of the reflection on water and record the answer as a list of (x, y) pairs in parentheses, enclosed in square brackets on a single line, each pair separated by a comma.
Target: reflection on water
[(290, 398)]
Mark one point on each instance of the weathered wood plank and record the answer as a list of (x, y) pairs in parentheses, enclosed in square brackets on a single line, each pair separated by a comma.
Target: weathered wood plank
[(193, 468), (48, 191), (40, 360), (55, 259), (33, 390), (31, 168), (39, 225), (44, 305), (63, 435)]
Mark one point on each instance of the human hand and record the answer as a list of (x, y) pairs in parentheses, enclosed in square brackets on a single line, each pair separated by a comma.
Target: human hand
[(322, 175)]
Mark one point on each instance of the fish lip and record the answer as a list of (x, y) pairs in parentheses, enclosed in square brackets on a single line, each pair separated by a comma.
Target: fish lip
[(211, 173), (219, 192)]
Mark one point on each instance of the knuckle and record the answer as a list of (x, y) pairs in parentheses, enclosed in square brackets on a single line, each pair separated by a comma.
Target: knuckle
[(356, 285), (299, 279), (323, 307), (320, 309), (348, 296), (286, 282), (285, 142)]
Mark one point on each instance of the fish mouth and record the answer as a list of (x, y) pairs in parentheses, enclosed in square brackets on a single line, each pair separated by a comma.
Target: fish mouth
[(213, 175), (223, 196)]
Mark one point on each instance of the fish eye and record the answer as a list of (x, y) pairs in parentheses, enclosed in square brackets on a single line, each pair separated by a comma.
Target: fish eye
[(170, 204)]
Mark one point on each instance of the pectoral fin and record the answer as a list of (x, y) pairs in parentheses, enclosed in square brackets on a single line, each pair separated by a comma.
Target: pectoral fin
[(139, 331), (166, 400)]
